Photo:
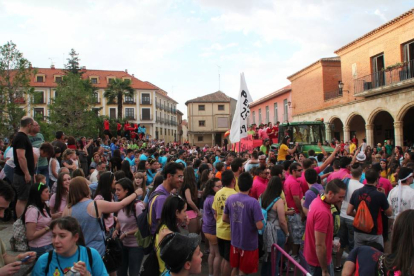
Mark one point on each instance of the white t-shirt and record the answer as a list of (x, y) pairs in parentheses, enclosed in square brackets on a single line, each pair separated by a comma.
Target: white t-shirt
[(407, 203), (353, 185), (94, 176)]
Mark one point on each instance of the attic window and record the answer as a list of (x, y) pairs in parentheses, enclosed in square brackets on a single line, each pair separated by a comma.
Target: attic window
[(94, 80), (40, 78), (58, 79)]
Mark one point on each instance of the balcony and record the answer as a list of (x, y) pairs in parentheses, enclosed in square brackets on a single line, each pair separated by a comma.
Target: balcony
[(146, 100), (390, 79), (157, 105), (129, 102), (146, 118), (129, 117)]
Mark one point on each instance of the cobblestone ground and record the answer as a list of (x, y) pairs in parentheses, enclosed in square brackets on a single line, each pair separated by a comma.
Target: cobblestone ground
[(6, 231)]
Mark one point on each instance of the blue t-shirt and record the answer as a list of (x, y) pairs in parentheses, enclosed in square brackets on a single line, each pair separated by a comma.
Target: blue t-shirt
[(182, 162), (143, 157), (162, 160), (67, 262), (131, 161), (365, 259)]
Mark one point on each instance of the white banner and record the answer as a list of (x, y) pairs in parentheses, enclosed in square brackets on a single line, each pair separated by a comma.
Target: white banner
[(239, 126)]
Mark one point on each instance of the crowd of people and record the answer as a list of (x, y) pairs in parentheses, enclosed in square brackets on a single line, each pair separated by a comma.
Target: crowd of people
[(74, 194)]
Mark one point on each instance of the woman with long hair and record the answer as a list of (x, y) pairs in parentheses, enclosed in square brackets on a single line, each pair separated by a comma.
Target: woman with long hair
[(143, 165), (126, 227), (36, 217), (384, 168), (126, 168), (173, 213), (265, 147), (86, 211), (276, 222), (139, 180), (189, 192), (106, 184), (82, 153), (57, 202), (209, 225), (206, 175), (54, 166), (68, 160), (70, 252), (284, 149), (115, 163)]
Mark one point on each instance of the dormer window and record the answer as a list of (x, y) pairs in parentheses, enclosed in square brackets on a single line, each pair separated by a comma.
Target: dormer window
[(94, 80), (110, 79), (127, 80), (58, 79), (40, 78)]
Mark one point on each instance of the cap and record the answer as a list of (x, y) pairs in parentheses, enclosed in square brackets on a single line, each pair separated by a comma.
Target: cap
[(176, 249), (361, 156)]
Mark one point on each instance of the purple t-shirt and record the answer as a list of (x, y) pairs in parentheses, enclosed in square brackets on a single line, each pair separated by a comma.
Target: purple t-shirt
[(209, 223), (310, 195), (157, 207), (244, 211)]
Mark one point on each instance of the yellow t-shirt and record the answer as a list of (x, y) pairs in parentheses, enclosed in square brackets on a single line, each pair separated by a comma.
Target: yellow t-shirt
[(223, 228), (352, 148), (236, 187), (283, 151), (282, 196), (157, 242)]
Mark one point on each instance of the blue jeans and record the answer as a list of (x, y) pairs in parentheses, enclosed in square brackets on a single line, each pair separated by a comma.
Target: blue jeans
[(316, 270), (9, 171), (41, 250), (131, 261), (267, 265), (45, 171)]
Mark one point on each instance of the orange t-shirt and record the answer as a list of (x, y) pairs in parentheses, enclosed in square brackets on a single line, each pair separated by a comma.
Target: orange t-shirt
[(218, 175)]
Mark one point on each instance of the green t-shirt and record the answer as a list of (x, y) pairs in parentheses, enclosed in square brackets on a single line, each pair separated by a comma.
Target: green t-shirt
[(37, 141)]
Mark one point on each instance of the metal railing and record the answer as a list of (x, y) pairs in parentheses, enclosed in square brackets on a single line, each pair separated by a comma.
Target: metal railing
[(290, 261), (145, 118), (333, 94), (393, 74)]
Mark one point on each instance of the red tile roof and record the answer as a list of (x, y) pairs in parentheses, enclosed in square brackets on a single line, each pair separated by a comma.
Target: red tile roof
[(163, 93), (216, 97), (102, 81)]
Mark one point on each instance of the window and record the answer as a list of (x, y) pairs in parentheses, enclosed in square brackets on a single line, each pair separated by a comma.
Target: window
[(40, 78), (200, 138), (96, 96), (201, 123), (129, 99), (127, 80), (58, 79), (94, 80), (378, 71), (156, 133), (129, 113), (221, 107), (38, 113), (267, 114), (286, 110), (110, 80), (260, 115), (160, 130), (112, 113), (222, 122), (407, 71), (145, 98), (146, 114), (275, 113), (201, 107), (254, 117), (56, 94), (38, 97), (165, 131)]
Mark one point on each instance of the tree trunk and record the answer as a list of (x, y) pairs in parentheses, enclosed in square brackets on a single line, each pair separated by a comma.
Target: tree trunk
[(119, 106)]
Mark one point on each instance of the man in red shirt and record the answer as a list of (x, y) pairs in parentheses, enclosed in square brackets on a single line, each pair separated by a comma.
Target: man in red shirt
[(107, 132), (294, 194), (260, 182), (320, 227), (118, 129)]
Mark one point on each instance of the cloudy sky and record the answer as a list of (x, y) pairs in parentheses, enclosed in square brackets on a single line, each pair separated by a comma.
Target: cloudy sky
[(181, 45)]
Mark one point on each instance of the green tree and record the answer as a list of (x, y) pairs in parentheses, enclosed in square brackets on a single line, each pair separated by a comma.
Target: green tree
[(118, 88), (73, 63), (73, 109), (15, 75)]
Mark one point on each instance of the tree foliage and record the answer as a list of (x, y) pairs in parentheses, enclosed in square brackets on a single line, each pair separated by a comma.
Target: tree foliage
[(15, 75), (72, 109), (73, 63), (118, 88)]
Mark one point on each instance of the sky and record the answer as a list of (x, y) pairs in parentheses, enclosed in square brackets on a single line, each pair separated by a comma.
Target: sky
[(183, 46)]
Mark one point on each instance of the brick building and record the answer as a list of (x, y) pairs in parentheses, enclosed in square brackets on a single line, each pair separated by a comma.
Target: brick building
[(376, 98), (272, 108)]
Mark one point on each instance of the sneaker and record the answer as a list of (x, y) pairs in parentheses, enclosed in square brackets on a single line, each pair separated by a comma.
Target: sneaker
[(338, 268)]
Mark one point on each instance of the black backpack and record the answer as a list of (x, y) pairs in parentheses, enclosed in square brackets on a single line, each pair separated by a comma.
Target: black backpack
[(50, 256)]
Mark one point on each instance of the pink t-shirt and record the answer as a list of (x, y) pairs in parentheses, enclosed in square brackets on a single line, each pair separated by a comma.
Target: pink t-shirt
[(263, 134), (292, 188), (33, 215), (128, 223), (339, 175), (258, 188), (304, 185), (319, 219), (382, 183), (109, 221), (53, 200)]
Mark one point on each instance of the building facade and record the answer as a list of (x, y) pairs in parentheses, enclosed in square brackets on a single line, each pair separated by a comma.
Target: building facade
[(180, 126), (376, 100), (166, 126), (141, 109), (209, 117), (272, 108)]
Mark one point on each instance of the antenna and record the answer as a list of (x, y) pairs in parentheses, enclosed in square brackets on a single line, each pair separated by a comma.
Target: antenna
[(51, 61), (218, 69)]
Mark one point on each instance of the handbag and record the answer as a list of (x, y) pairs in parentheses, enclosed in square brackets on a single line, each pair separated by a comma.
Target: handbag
[(113, 248)]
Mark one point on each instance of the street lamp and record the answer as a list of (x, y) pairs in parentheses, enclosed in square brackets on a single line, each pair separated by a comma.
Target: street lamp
[(341, 86), (289, 104)]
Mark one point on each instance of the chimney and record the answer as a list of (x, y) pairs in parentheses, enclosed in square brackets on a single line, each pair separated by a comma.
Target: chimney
[(83, 67), (133, 75), (126, 71), (52, 66)]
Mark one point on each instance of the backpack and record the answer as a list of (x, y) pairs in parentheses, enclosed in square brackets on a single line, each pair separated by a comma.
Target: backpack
[(50, 256), (18, 241), (143, 234), (264, 213), (363, 220), (334, 211)]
